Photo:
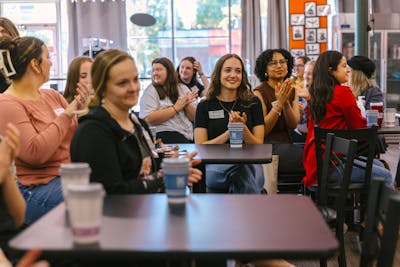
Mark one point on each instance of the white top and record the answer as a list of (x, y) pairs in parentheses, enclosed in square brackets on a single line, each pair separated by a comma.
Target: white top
[(151, 102)]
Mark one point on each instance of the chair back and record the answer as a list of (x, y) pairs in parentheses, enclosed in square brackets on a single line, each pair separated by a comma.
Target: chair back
[(339, 155), (382, 225), (365, 151)]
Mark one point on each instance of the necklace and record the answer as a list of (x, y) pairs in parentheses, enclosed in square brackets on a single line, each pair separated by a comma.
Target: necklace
[(222, 106)]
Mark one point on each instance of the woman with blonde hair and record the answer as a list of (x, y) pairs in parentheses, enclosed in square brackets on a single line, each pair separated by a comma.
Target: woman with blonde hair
[(109, 138), (361, 83)]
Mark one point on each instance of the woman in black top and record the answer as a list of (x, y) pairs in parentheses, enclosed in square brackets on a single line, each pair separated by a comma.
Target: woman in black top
[(108, 138), (229, 99)]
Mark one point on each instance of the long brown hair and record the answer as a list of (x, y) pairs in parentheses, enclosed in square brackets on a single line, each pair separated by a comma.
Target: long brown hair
[(9, 26), (73, 76), (244, 90), (170, 87), (321, 89)]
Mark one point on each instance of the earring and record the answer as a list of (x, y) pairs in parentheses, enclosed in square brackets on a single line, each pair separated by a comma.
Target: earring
[(266, 75)]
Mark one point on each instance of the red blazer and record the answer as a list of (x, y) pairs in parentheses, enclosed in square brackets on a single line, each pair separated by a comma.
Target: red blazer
[(341, 113)]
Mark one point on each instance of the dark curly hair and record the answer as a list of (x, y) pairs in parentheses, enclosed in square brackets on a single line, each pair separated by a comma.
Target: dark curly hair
[(321, 89), (265, 57)]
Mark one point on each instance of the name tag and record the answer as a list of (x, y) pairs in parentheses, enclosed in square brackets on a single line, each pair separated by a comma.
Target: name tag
[(58, 111), (216, 114)]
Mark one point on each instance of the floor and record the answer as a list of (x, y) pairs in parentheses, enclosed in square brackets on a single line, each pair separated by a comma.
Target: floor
[(352, 253)]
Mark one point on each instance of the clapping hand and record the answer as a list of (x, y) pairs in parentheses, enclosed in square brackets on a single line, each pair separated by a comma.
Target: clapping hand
[(283, 91), (236, 116), (81, 100)]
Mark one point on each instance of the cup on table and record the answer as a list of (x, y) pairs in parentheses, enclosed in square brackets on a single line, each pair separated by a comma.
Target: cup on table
[(389, 117), (372, 117), (235, 134), (85, 205), (379, 107), (74, 173), (176, 173)]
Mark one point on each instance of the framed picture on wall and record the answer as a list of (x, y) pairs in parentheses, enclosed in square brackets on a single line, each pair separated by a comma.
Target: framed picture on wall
[(312, 22), (312, 49), (323, 10), (298, 33), (298, 52), (322, 35), (310, 9), (297, 19), (311, 35)]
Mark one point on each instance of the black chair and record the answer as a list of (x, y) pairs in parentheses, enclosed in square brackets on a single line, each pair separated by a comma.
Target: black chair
[(382, 225), (365, 155), (338, 156)]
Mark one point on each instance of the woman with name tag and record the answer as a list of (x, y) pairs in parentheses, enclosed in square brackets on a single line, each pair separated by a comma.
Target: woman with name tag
[(229, 99), (109, 138), (46, 122)]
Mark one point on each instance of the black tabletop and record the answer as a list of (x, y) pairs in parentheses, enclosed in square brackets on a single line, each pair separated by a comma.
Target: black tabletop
[(212, 226)]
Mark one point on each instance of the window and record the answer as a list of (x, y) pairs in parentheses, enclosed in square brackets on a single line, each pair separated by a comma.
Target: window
[(205, 29), (29, 17)]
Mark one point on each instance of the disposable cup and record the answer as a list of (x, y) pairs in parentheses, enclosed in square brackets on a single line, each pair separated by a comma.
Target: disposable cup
[(85, 205), (74, 173), (372, 117), (379, 107), (389, 117), (235, 134), (176, 173)]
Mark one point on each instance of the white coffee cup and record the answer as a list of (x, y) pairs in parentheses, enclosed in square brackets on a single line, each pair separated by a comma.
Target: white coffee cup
[(85, 206), (74, 173)]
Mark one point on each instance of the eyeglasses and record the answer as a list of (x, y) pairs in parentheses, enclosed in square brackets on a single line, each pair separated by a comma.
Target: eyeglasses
[(274, 63), (298, 65)]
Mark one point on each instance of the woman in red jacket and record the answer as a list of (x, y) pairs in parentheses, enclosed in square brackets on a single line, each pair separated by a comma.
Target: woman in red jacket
[(333, 105)]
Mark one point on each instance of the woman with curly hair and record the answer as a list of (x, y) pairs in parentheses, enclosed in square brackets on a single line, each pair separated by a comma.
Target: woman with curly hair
[(281, 110), (229, 99), (168, 105)]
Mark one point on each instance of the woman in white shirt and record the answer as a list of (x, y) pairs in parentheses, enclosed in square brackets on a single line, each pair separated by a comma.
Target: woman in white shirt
[(168, 105)]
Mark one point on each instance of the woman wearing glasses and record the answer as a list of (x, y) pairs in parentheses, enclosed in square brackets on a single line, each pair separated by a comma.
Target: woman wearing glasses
[(280, 106)]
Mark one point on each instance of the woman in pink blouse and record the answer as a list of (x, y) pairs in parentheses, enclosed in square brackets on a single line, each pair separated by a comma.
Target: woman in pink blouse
[(43, 117)]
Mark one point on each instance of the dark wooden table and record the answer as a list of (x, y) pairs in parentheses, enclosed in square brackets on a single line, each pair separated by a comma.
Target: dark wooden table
[(208, 226), (224, 154), (389, 130)]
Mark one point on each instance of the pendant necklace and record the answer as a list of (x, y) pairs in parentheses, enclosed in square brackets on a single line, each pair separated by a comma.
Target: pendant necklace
[(222, 106)]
